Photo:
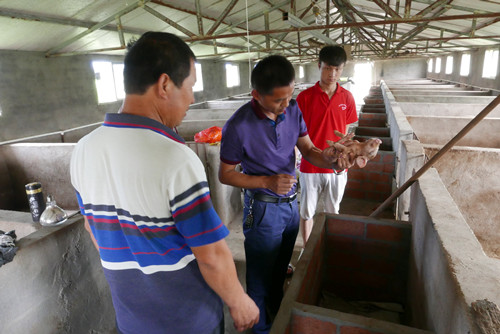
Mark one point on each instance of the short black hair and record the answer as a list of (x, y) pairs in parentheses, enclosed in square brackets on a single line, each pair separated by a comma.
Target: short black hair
[(153, 54), (272, 72), (333, 55)]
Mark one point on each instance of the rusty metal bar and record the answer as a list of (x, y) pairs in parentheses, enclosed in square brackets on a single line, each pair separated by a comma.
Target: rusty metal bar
[(169, 21), (266, 26), (386, 8), (199, 19), (415, 31), (407, 8), (327, 17), (13, 14), (438, 155), (311, 5), (120, 31), (433, 6), (98, 26), (222, 17)]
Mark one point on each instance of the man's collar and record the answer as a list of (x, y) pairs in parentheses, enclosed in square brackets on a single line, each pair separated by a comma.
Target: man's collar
[(120, 120), (257, 109), (317, 85)]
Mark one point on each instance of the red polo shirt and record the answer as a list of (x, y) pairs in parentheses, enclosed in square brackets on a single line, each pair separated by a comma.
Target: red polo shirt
[(324, 115)]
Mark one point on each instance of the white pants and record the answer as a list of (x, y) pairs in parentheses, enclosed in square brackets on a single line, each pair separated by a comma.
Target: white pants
[(320, 188)]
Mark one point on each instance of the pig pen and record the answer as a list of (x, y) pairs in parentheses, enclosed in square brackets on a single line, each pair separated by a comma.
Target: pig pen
[(351, 278), (468, 170), (466, 204), (367, 275)]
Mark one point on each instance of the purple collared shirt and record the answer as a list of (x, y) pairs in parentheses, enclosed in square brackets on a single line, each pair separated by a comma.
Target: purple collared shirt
[(261, 145)]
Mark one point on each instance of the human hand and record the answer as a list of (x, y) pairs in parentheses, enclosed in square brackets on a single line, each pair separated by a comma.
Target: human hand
[(245, 314), (281, 184), (345, 161)]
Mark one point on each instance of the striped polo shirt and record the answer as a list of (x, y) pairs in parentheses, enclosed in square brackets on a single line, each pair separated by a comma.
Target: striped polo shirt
[(146, 198)]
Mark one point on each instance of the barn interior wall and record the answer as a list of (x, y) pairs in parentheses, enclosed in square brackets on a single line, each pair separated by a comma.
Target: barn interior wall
[(40, 95), (475, 77), (399, 69)]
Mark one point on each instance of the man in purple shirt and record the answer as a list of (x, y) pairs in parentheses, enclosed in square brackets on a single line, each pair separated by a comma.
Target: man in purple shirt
[(261, 136)]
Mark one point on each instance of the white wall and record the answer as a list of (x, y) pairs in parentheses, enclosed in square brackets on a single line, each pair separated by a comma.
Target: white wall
[(474, 78)]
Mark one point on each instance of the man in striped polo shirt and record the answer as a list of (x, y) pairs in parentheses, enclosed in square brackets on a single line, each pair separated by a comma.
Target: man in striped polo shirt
[(147, 206)]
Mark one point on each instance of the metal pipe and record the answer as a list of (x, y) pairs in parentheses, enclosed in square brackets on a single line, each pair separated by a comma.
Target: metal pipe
[(438, 155), (61, 133)]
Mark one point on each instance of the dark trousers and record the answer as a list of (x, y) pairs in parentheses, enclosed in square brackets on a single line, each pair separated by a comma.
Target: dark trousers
[(269, 246)]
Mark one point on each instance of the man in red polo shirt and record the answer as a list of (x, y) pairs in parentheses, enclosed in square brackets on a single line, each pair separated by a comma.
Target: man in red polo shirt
[(326, 107)]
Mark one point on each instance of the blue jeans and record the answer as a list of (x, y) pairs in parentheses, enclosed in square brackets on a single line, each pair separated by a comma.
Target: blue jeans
[(269, 246)]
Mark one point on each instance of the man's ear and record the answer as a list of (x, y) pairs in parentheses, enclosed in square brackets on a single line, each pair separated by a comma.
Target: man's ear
[(164, 84), (255, 94)]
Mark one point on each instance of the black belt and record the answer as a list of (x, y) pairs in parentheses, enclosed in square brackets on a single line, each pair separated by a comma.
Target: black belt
[(271, 199)]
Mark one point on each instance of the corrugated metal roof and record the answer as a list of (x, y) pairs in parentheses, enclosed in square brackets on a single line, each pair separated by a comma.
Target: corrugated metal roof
[(218, 28)]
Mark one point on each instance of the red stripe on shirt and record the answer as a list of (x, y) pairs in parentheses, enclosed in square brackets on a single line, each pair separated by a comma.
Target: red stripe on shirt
[(205, 232), (191, 206), (168, 250)]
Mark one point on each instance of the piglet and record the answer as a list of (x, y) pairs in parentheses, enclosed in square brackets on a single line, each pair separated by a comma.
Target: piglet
[(360, 152)]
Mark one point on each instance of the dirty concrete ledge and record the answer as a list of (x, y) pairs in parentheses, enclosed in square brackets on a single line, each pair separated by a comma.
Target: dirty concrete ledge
[(55, 284), (450, 266)]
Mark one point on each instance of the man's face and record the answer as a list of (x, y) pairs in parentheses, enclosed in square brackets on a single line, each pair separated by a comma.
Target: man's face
[(277, 101), (181, 97), (330, 74)]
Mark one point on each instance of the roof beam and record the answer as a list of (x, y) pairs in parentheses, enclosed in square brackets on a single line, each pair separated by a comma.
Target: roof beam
[(199, 19), (222, 16), (296, 22), (364, 18), (98, 26), (62, 21), (412, 33), (473, 30), (351, 24), (453, 6), (407, 8), (387, 8), (254, 16), (434, 5), (169, 21)]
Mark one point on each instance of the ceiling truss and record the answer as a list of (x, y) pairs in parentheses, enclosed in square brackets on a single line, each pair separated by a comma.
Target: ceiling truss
[(394, 33)]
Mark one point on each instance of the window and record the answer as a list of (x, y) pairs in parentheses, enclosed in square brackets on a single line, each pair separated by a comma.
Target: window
[(198, 86), (465, 65), (301, 72), (437, 69), (449, 65), (429, 65), (490, 64), (108, 81), (232, 75)]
